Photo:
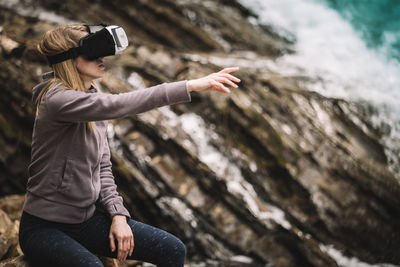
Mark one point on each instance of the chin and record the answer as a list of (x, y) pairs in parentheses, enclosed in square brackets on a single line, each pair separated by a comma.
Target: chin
[(98, 75)]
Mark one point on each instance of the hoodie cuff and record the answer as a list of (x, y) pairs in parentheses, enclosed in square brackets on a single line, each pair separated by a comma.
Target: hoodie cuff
[(117, 209), (177, 92)]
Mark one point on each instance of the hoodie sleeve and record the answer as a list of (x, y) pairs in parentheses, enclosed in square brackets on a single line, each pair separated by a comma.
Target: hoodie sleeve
[(75, 106), (109, 197)]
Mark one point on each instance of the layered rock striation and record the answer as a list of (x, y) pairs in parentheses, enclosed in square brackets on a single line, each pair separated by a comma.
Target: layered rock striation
[(269, 174)]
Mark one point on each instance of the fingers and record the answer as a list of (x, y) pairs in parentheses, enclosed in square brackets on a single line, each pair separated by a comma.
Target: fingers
[(132, 244), (125, 247), (120, 247), (231, 77), (220, 87), (223, 77), (225, 80), (112, 242), (228, 70)]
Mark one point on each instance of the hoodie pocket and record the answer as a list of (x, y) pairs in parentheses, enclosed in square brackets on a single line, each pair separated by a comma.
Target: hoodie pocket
[(66, 176)]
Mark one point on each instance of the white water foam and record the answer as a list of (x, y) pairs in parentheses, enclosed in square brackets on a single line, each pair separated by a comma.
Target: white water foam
[(329, 48)]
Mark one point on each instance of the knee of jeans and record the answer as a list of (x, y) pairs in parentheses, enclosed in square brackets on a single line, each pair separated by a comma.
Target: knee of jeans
[(180, 249), (175, 255)]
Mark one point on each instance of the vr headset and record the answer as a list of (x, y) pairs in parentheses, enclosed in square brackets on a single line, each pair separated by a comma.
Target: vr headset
[(101, 41)]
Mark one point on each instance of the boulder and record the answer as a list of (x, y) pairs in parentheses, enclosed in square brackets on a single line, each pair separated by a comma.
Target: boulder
[(12, 205), (8, 236)]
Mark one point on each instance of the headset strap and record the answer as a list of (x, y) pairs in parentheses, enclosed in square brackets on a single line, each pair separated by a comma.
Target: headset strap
[(75, 51), (95, 28), (71, 53)]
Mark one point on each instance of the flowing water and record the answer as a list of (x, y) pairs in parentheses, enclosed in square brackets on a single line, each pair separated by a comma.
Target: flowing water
[(351, 48)]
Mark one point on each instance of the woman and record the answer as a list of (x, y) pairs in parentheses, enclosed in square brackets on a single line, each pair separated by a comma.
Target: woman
[(72, 210)]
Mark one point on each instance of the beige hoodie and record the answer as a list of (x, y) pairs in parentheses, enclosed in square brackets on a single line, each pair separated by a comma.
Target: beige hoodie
[(70, 166)]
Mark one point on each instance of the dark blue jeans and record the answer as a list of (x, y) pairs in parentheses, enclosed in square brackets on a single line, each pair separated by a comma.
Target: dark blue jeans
[(47, 243)]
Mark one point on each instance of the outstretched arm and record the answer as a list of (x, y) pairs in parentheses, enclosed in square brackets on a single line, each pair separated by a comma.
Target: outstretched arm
[(74, 106)]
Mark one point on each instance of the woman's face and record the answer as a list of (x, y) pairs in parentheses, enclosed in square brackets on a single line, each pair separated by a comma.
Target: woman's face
[(89, 69)]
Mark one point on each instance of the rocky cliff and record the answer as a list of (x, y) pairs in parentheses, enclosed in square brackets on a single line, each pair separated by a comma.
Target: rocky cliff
[(270, 174)]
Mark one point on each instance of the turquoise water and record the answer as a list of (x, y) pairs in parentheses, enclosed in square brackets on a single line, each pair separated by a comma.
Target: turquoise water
[(378, 22), (351, 48)]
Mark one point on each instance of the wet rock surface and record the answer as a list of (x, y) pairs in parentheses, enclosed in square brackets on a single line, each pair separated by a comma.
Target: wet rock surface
[(270, 174)]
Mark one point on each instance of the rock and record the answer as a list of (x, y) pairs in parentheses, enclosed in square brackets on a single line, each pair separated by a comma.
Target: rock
[(5, 228), (109, 262), (9, 244), (7, 44), (12, 205), (5, 222), (270, 174), (15, 262)]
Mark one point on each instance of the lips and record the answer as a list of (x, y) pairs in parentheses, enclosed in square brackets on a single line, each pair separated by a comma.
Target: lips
[(101, 63)]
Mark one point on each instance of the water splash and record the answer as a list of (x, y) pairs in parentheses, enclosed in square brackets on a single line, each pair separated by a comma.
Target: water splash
[(332, 52)]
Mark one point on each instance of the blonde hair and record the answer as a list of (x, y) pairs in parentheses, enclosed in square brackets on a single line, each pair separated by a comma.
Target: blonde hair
[(56, 41)]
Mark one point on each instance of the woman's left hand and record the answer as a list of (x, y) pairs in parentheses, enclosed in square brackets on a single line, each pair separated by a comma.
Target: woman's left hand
[(122, 232)]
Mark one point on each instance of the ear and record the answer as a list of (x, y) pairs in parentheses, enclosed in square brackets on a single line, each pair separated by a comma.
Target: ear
[(76, 61)]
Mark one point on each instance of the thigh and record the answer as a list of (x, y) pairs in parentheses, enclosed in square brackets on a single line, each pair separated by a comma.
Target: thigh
[(52, 247), (152, 244)]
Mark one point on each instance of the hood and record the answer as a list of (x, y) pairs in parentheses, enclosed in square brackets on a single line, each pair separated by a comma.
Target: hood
[(46, 78)]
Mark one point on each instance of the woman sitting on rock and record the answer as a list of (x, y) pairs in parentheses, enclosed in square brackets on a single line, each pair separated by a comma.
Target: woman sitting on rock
[(72, 209)]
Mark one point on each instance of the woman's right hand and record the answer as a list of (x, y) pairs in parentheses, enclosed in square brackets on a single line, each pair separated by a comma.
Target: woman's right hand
[(214, 81)]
